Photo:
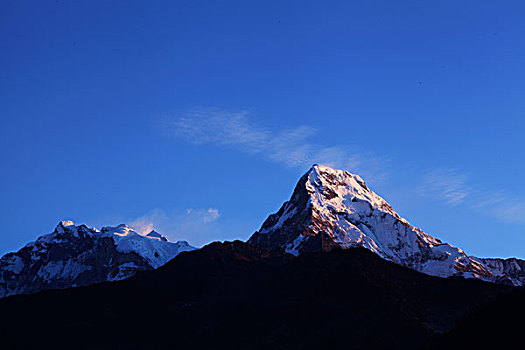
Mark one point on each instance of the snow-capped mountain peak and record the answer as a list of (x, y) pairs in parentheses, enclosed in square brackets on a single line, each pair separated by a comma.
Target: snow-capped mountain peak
[(69, 227), (79, 255), (327, 183), (66, 223), (332, 208)]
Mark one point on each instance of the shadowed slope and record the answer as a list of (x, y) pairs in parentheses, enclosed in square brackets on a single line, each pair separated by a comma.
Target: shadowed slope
[(499, 323), (236, 295)]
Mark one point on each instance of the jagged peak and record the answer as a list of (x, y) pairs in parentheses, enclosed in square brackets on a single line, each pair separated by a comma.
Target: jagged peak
[(154, 234), (70, 226), (65, 223), (323, 170), (322, 175), (66, 226), (122, 230), (336, 187)]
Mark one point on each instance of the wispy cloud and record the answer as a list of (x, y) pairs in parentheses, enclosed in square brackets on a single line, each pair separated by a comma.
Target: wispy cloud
[(500, 205), (206, 215), (199, 226), (291, 147), (452, 187), (445, 184), (297, 147)]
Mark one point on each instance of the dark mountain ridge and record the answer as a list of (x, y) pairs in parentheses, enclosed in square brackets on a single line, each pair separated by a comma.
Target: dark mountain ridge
[(237, 295)]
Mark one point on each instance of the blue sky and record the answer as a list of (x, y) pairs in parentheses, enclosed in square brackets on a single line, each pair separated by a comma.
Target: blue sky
[(197, 118)]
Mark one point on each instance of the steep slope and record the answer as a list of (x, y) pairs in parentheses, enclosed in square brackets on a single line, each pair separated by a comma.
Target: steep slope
[(78, 256), (238, 296), (334, 208)]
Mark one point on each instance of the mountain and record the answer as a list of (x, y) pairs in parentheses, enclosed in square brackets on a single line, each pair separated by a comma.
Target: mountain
[(73, 256), (235, 295), (332, 208)]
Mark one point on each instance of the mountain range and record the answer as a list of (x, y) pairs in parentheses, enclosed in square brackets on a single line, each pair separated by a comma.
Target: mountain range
[(328, 209), (74, 256), (334, 267), (234, 295)]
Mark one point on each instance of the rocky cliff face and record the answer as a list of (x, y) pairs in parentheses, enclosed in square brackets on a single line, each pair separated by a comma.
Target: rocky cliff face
[(333, 209), (79, 256)]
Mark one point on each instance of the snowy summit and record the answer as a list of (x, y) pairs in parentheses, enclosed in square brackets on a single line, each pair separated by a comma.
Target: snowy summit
[(78, 256)]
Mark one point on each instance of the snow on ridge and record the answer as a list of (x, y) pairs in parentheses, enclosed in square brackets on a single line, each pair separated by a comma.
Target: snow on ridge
[(155, 248), (155, 235), (62, 269), (346, 185), (156, 252)]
